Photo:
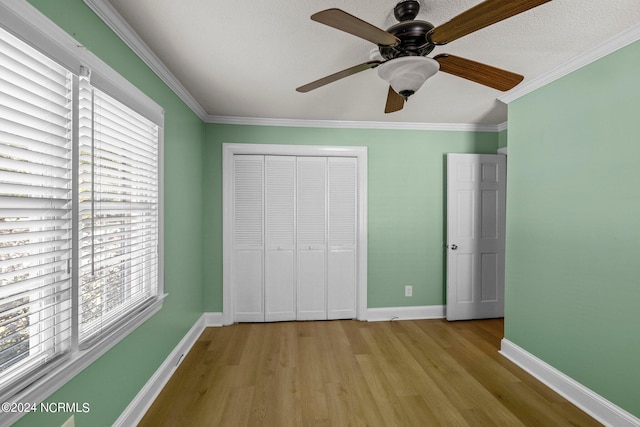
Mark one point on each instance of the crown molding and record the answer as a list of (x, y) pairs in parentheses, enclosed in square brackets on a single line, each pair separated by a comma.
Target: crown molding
[(339, 124), (619, 41), (116, 22)]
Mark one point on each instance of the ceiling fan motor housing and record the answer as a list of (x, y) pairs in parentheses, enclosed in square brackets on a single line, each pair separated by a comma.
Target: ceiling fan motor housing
[(412, 33), (406, 10)]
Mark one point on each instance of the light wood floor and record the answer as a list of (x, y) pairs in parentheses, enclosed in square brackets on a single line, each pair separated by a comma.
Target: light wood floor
[(350, 373)]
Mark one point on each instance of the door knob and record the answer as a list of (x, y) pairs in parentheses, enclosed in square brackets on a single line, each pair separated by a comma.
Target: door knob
[(454, 247)]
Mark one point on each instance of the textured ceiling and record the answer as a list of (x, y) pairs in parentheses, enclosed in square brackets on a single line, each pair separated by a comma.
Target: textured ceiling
[(241, 59)]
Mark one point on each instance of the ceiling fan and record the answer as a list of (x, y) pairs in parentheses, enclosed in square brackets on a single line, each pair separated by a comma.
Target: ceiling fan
[(404, 47)]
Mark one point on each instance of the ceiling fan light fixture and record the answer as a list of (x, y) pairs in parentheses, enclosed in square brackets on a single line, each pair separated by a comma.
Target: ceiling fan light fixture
[(408, 73)]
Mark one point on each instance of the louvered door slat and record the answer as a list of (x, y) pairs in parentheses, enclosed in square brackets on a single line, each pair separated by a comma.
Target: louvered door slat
[(248, 200), (280, 201), (342, 202), (312, 201)]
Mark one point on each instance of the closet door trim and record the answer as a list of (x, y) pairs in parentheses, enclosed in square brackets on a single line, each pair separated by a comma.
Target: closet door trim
[(229, 150)]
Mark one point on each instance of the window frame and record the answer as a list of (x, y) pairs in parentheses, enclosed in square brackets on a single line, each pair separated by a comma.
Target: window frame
[(25, 22)]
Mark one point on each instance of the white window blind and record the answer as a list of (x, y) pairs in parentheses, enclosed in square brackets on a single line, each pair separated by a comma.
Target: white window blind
[(35, 210), (118, 204), (118, 209)]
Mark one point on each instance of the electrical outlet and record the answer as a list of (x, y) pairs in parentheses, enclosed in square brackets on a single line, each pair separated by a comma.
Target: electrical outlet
[(408, 291)]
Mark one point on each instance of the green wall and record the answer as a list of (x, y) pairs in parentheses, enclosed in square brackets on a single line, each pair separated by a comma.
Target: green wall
[(406, 203), (573, 226), (112, 382), (573, 223), (502, 138)]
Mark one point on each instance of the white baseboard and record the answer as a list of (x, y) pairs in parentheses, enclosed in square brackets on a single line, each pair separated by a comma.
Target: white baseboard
[(213, 319), (145, 397), (593, 404), (405, 313)]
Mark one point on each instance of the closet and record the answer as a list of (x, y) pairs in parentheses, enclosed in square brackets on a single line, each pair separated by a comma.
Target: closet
[(294, 237)]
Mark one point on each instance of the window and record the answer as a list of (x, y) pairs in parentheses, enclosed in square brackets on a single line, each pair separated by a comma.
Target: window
[(35, 209), (118, 210), (80, 213)]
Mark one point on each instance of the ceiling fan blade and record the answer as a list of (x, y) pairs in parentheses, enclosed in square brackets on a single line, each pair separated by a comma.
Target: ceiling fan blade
[(487, 75), (482, 15), (395, 101), (339, 75), (348, 23)]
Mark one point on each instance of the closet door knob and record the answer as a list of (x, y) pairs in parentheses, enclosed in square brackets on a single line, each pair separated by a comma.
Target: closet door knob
[(454, 247)]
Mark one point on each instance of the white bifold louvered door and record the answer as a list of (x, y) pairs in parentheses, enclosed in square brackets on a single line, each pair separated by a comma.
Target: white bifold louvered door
[(312, 238), (280, 238), (342, 228), (294, 238), (248, 235)]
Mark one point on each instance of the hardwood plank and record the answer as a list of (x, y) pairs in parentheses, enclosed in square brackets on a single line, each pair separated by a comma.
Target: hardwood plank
[(353, 333), (345, 387), (387, 403), (288, 408), (469, 396), (339, 373), (313, 398), (238, 406), (509, 390)]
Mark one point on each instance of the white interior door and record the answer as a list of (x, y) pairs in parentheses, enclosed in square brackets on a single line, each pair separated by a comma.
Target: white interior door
[(280, 238), (312, 238), (475, 235), (342, 229), (248, 238)]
